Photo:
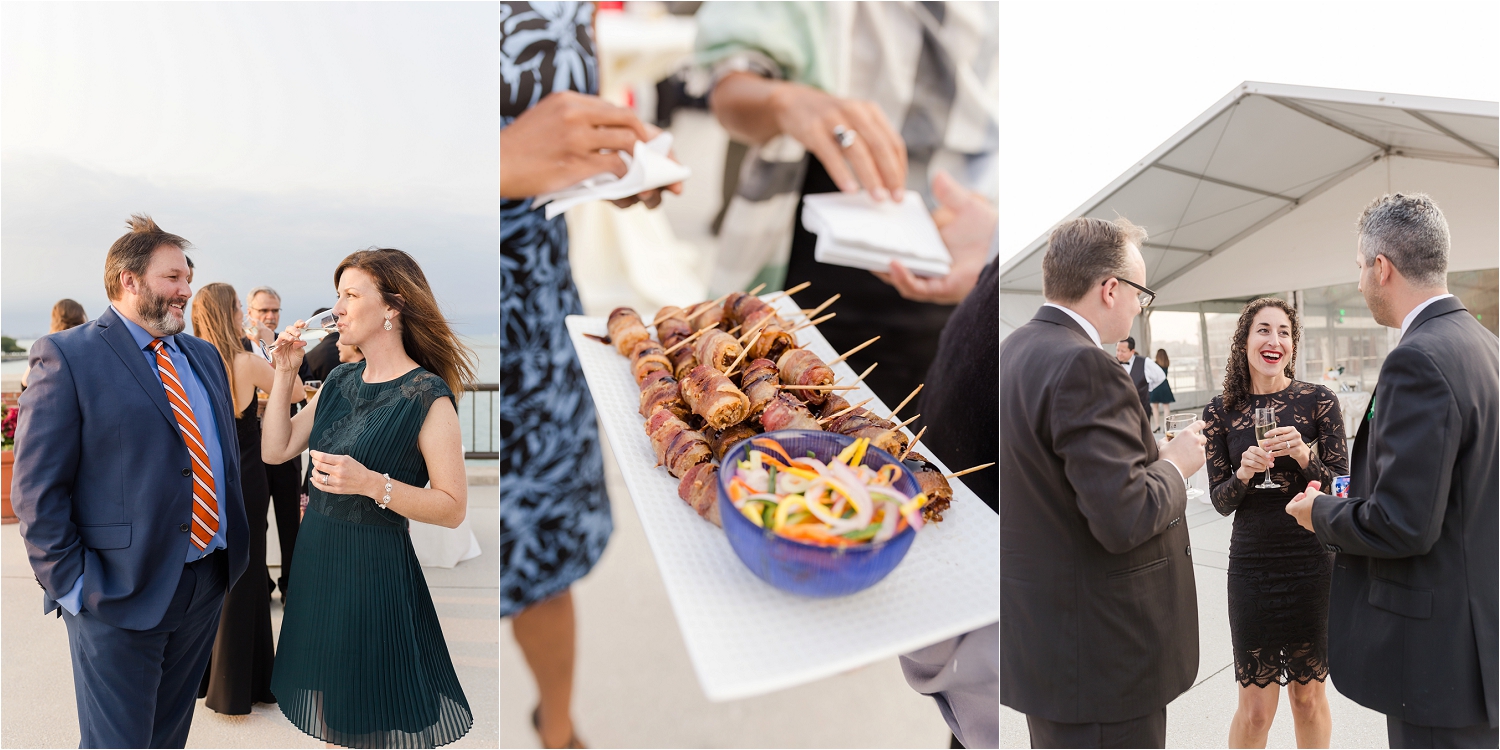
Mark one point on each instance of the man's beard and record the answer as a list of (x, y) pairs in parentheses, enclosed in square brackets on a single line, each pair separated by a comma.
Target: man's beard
[(157, 312)]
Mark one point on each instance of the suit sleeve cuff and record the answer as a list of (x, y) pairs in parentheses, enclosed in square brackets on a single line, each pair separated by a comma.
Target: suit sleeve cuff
[(73, 600), (1178, 468)]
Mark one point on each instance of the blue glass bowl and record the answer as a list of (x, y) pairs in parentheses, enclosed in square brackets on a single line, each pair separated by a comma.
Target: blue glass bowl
[(810, 569)]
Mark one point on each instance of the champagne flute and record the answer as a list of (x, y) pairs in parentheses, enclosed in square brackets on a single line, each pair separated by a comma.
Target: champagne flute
[(1265, 421), (327, 322), (1177, 423)]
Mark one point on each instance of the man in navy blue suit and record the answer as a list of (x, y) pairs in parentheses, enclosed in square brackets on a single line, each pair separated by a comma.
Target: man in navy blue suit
[(127, 487)]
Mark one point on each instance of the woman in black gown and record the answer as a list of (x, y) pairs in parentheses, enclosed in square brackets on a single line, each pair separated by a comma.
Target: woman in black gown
[(239, 671), (1279, 574)]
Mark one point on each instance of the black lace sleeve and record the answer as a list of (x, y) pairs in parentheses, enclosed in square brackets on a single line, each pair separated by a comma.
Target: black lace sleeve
[(1332, 457), (1226, 490)]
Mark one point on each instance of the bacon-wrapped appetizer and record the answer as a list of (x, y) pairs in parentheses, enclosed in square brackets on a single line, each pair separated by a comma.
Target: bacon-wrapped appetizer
[(746, 310), (833, 404), (934, 485), (802, 367), (714, 397), (683, 362), (717, 349), (646, 358), (705, 316), (626, 329), (861, 423), (674, 326), (677, 446), (787, 413), (700, 489), (729, 436), (761, 384), (661, 391)]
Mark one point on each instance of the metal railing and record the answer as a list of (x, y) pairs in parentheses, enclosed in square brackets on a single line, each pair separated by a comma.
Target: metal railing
[(478, 416)]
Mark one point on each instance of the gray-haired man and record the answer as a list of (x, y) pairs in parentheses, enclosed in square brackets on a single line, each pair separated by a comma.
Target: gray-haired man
[(1416, 584), (285, 480)]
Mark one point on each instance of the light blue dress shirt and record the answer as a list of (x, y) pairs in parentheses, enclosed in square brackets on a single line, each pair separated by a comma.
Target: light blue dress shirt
[(203, 414)]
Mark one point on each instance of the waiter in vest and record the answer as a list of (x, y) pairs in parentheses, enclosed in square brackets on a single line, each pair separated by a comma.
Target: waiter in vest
[(1143, 372)]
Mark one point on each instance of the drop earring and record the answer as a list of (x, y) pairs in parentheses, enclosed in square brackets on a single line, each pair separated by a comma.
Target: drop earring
[(387, 324)]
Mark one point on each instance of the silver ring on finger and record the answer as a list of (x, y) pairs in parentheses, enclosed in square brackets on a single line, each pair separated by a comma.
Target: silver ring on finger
[(845, 136)]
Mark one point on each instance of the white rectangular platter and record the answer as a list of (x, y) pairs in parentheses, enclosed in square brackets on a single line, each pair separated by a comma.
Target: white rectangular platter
[(747, 638)]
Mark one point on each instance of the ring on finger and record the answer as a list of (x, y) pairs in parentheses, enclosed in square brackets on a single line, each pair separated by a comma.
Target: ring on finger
[(845, 136)]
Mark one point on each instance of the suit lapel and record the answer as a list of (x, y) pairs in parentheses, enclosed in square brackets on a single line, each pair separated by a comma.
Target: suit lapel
[(119, 339)]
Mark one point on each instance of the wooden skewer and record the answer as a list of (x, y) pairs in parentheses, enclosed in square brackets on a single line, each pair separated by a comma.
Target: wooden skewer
[(907, 422), (820, 308), (845, 355), (754, 291), (690, 337), (743, 351), (819, 387), (812, 323), (913, 444), (970, 470), (788, 292), (845, 410), (862, 375), (906, 400), (758, 329)]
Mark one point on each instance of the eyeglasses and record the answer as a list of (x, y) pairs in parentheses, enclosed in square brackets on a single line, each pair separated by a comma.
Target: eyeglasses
[(1146, 296)]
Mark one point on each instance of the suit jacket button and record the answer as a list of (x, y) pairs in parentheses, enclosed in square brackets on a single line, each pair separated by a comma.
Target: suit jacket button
[(187, 472), (1189, 550), (183, 527)]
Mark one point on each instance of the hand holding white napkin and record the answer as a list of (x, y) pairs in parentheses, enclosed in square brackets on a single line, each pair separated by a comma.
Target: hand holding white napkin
[(648, 168), (854, 230)]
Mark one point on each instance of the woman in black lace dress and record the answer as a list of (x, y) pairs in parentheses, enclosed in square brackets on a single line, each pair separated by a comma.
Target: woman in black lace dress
[(1279, 574)]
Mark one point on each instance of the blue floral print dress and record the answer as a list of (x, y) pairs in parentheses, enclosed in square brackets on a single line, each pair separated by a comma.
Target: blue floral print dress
[(554, 513)]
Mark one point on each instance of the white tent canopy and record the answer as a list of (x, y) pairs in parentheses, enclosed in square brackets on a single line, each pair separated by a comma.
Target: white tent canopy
[(1260, 193)]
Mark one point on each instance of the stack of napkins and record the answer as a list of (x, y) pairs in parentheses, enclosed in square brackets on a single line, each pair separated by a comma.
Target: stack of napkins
[(855, 231), (649, 167)]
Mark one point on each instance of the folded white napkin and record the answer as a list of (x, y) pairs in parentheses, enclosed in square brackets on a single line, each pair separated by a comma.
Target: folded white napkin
[(855, 231), (649, 167)]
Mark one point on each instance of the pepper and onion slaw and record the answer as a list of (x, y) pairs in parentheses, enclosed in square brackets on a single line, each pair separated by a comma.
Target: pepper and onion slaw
[(841, 503)]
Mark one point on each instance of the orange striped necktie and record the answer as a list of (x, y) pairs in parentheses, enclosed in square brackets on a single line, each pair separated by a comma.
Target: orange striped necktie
[(205, 500)]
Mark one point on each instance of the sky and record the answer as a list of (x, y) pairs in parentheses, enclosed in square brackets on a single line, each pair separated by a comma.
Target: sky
[(276, 137), (1095, 87)]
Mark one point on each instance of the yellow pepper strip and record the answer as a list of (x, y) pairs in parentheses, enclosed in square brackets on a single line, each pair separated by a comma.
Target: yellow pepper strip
[(796, 472), (914, 503), (751, 510), (860, 446), (785, 508)]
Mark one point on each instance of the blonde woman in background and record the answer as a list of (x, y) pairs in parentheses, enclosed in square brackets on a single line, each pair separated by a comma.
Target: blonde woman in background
[(239, 670), (65, 314)]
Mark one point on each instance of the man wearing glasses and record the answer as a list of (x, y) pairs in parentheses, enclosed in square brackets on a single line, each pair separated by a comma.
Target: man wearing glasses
[(1098, 612), (285, 480)]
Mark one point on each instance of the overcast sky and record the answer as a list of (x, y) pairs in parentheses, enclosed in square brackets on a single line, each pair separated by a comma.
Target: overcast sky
[(277, 137), (1095, 87)]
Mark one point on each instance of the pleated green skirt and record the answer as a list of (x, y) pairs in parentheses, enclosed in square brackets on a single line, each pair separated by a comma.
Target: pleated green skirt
[(362, 661)]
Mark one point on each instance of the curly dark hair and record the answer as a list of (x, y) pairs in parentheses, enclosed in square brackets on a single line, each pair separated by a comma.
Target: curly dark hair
[(1237, 370)]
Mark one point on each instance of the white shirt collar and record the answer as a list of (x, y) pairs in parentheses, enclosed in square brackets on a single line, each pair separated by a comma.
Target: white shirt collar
[(1088, 327), (1405, 324)]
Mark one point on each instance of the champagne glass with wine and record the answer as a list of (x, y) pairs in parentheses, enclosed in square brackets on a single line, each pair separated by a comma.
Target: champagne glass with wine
[(1177, 423), (1265, 421), (327, 322)]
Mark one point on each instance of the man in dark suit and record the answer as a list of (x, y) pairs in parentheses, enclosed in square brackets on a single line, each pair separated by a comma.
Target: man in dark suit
[(127, 487), (1098, 610), (1412, 617), (285, 479)]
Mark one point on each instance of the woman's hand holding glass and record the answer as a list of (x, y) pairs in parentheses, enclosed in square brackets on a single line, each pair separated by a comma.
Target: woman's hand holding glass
[(286, 354), (342, 475), (1286, 441), (1255, 461)]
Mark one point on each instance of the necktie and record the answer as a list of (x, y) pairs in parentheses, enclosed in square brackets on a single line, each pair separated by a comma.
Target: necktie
[(205, 501)]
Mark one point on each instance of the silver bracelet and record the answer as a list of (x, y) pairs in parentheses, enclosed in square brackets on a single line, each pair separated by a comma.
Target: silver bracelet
[(384, 501)]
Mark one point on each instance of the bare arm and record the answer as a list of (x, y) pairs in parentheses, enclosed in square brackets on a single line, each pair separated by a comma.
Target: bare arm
[(283, 436), (444, 504), (755, 110)]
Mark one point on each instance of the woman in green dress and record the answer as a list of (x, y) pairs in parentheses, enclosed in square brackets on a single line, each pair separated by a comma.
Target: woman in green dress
[(361, 661)]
